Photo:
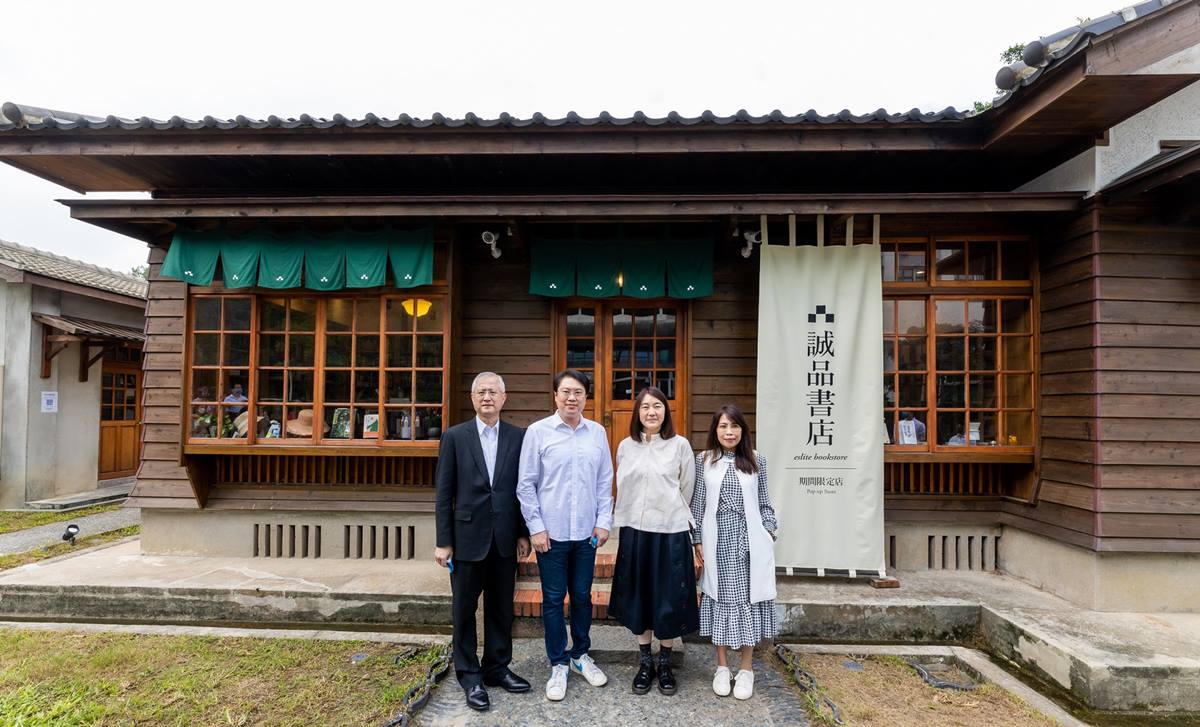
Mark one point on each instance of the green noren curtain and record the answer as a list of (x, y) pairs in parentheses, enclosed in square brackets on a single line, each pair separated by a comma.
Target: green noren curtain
[(644, 269), (192, 257), (598, 269), (411, 255), (552, 268), (239, 262), (605, 269), (689, 268)]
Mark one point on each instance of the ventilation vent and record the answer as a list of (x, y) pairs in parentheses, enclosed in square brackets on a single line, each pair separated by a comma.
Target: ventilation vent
[(276, 540), (379, 542), (957, 552)]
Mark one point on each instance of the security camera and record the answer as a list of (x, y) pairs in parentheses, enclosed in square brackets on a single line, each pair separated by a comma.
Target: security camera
[(752, 239), (491, 239)]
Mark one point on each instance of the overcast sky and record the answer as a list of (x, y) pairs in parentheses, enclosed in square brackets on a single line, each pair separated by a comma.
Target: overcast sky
[(259, 58)]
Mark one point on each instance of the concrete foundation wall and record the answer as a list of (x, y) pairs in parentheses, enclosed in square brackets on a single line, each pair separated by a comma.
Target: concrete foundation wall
[(246, 534)]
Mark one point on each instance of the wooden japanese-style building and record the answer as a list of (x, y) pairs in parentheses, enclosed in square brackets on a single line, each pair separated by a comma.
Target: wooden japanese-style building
[(349, 277)]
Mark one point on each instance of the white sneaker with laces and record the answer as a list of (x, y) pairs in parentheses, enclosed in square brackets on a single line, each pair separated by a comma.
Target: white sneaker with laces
[(556, 686), (743, 685), (586, 667), (721, 681)]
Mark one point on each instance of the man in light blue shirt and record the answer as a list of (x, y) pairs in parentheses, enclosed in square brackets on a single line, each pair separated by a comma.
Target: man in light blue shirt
[(564, 485)]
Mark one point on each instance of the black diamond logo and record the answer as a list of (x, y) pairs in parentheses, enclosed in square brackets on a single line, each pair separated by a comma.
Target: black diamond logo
[(820, 311)]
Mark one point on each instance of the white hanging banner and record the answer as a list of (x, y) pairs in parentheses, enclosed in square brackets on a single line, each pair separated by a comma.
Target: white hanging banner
[(820, 402)]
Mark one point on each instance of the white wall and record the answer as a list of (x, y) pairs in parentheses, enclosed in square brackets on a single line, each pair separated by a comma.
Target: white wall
[(14, 409)]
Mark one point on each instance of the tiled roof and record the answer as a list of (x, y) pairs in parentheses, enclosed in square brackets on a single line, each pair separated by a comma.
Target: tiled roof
[(72, 271), (89, 328), (1048, 51), (16, 116)]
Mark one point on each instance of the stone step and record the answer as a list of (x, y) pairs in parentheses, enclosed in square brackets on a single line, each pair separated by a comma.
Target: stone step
[(102, 496), (527, 568)]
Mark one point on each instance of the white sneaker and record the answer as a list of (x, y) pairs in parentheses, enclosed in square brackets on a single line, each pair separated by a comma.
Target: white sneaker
[(556, 686), (585, 666), (721, 681), (743, 685)]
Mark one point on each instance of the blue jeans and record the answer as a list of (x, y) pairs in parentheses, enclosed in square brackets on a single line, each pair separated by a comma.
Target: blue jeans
[(567, 568)]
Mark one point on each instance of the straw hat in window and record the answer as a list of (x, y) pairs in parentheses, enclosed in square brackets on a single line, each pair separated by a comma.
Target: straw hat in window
[(302, 425)]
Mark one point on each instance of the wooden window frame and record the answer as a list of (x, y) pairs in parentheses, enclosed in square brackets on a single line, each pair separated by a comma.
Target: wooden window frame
[(319, 443), (932, 290)]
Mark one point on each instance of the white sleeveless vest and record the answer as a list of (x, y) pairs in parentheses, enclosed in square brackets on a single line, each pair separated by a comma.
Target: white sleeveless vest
[(762, 548)]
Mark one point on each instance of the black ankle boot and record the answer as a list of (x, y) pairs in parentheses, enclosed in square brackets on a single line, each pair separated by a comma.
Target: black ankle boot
[(666, 678), (645, 674)]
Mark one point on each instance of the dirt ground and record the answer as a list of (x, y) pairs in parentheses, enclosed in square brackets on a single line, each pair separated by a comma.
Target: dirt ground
[(886, 691)]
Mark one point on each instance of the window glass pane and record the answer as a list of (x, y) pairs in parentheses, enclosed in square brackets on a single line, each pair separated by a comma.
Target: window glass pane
[(397, 424), (950, 428), (337, 350), (130, 396), (949, 315), (270, 385), (337, 386), (272, 314), (622, 385), (271, 350), (888, 263), (641, 380), (300, 386), (1016, 353), (366, 350), (581, 322), (303, 314), (299, 423), (982, 353), (1018, 428), (106, 396), (204, 385), (337, 422), (912, 354), (982, 261), (398, 319), (301, 350), (208, 314), (983, 391), (431, 321), (1018, 391), (913, 268), (889, 316), (912, 317), (367, 423), (425, 421), (950, 354), (270, 422), (665, 325), (429, 387), (665, 352), (234, 384), (429, 351), (951, 390), (889, 391), (622, 324), (643, 323), (919, 430), (400, 351), (206, 349), (889, 354), (912, 390), (338, 312), (665, 381), (643, 353), (622, 354), (366, 314), (951, 261), (1015, 259), (130, 413), (237, 349), (981, 316), (237, 314), (399, 387), (366, 386), (1015, 314), (204, 421), (106, 380), (983, 429)]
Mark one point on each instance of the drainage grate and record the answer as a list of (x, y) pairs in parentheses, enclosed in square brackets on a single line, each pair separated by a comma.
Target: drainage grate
[(379, 542), (958, 552), (277, 540)]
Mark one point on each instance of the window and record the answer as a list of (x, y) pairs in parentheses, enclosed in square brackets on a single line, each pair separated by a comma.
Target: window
[(334, 370), (118, 396), (958, 345)]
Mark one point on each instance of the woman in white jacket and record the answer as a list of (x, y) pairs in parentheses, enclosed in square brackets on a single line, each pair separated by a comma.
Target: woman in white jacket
[(735, 546), (654, 581)]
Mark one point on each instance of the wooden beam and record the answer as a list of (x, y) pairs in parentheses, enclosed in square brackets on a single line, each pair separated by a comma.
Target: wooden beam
[(84, 290), (1139, 44), (1031, 101), (49, 351)]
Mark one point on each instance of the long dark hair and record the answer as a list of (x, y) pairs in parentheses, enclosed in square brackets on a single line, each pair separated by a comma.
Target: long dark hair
[(743, 455), (635, 423)]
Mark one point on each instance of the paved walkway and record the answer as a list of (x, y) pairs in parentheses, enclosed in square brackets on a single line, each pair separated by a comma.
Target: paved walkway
[(775, 701), (43, 535)]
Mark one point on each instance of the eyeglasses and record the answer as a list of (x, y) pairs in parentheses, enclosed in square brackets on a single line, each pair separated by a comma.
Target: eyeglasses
[(577, 393), (485, 393)]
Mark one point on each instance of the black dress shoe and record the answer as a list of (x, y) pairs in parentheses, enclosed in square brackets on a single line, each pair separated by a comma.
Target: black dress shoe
[(666, 677), (477, 698), (508, 681), (645, 675)]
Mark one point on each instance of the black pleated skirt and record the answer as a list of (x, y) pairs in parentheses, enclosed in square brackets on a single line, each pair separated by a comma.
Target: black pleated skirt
[(654, 584)]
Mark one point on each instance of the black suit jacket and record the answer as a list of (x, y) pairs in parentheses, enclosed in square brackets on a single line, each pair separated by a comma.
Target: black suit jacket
[(471, 513)]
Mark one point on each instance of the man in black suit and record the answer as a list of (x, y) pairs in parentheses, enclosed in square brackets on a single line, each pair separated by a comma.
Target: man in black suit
[(480, 535)]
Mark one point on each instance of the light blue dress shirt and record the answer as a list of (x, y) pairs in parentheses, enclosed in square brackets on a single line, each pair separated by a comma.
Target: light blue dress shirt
[(489, 439), (565, 479)]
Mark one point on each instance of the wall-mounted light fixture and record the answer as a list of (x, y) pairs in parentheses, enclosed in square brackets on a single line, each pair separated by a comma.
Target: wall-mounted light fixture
[(417, 307), (492, 239)]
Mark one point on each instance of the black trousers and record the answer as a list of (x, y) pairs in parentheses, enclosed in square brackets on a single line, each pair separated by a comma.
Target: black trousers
[(495, 577)]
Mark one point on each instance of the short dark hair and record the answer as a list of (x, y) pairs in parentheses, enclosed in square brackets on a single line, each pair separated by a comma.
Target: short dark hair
[(572, 374), (744, 453), (635, 422)]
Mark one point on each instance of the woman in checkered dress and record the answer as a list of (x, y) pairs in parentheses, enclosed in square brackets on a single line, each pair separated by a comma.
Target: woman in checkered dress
[(737, 606)]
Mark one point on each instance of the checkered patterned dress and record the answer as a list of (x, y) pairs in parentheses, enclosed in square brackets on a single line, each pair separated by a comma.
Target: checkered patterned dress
[(733, 621)]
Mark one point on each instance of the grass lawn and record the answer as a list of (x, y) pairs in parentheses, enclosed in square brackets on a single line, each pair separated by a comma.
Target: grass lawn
[(11, 520), (64, 679), (29, 556)]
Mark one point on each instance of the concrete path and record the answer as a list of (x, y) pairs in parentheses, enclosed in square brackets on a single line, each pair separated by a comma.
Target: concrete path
[(43, 535), (775, 701)]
